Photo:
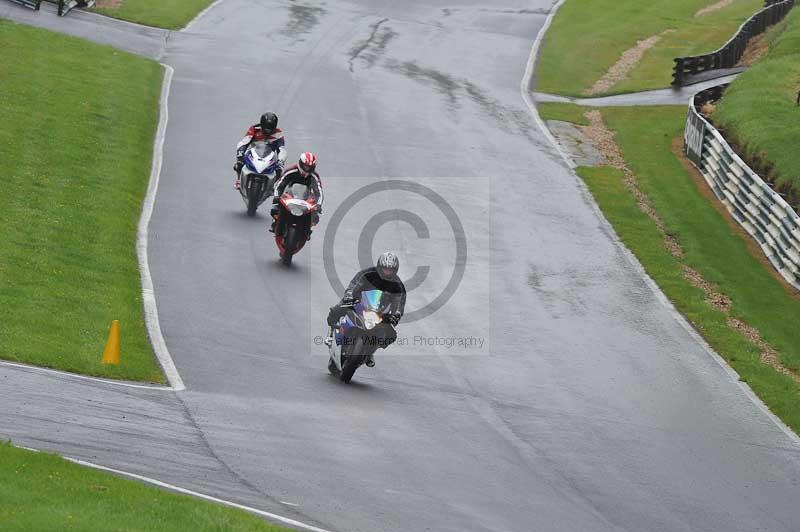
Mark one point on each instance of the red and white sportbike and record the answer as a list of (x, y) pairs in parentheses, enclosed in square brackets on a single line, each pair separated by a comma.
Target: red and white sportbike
[(297, 215)]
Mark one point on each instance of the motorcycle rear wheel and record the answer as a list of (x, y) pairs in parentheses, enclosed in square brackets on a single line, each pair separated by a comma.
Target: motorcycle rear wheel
[(289, 245)]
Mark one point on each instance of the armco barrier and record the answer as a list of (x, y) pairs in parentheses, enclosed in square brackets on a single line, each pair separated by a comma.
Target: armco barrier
[(65, 6), (731, 52), (762, 212), (33, 4)]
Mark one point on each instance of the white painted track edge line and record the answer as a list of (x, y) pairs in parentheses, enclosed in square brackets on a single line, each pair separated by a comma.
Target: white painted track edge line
[(40, 369), (200, 15), (178, 489), (525, 89), (525, 85), (148, 294)]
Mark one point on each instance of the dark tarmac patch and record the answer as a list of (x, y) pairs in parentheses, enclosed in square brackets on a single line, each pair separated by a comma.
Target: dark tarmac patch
[(371, 49), (302, 18), (443, 83), (508, 119), (561, 288), (504, 115)]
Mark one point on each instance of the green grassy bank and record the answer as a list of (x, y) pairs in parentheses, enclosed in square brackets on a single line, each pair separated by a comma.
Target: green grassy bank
[(78, 122), (168, 14), (587, 37), (759, 112), (711, 246), (42, 492)]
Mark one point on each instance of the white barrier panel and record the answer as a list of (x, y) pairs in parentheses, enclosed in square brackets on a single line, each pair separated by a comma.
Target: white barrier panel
[(762, 212)]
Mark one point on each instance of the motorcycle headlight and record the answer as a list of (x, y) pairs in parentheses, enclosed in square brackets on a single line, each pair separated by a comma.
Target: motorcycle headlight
[(296, 210), (371, 319)]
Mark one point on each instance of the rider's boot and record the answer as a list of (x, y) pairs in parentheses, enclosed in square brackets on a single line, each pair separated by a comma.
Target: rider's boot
[(237, 168)]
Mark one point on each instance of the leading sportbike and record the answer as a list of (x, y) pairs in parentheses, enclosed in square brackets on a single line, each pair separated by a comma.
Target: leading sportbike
[(366, 317)]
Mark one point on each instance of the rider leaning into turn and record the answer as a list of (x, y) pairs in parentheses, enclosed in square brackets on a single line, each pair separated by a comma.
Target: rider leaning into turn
[(383, 277), (303, 172), (266, 130)]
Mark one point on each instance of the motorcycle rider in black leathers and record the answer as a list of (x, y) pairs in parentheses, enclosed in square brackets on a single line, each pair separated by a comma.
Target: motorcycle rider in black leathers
[(382, 277), (305, 172)]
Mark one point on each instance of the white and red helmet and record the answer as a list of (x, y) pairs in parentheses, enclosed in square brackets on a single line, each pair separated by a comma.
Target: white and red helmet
[(307, 162)]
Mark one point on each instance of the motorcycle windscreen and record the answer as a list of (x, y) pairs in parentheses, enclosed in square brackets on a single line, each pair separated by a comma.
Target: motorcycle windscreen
[(299, 191), (376, 301), (262, 149)]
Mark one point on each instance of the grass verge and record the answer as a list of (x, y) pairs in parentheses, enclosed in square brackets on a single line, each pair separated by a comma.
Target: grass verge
[(42, 491), (565, 112), (587, 37), (711, 245), (759, 112), (75, 154), (168, 14)]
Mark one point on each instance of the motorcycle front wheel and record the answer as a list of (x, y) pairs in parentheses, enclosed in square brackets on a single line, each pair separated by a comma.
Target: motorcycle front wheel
[(254, 193), (350, 368), (353, 361)]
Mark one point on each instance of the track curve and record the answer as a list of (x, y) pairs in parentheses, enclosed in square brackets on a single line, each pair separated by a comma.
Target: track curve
[(593, 409)]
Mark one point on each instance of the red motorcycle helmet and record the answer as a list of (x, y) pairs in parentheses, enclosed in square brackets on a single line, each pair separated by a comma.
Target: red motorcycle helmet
[(307, 163)]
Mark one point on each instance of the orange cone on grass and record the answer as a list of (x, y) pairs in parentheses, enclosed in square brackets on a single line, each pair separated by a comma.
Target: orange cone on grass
[(111, 352)]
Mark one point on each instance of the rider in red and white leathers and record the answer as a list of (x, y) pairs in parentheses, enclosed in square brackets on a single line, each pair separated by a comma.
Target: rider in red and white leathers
[(266, 130), (303, 172)]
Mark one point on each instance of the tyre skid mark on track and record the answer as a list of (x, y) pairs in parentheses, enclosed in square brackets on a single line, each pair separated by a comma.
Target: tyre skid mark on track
[(526, 452)]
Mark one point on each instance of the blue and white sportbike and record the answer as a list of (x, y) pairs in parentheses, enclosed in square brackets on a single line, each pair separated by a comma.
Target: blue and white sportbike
[(257, 176), (359, 333)]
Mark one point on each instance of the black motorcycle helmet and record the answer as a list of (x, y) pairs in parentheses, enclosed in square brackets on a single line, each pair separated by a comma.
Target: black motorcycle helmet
[(269, 122)]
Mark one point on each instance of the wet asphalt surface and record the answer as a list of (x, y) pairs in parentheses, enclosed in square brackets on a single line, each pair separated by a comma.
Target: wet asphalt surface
[(589, 405)]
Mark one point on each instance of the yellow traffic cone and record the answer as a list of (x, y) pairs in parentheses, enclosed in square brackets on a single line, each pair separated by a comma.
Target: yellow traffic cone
[(111, 352)]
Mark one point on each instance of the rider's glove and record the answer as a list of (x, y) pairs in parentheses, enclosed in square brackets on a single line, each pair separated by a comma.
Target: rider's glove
[(238, 166), (393, 320), (347, 301)]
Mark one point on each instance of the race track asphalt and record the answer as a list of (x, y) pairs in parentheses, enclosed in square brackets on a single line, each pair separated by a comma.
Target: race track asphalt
[(589, 406)]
